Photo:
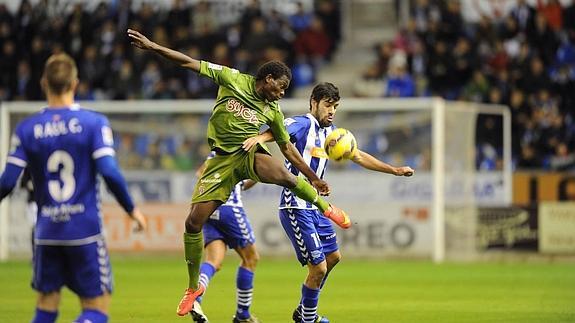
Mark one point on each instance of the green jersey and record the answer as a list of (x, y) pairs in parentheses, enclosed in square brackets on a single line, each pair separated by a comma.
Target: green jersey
[(239, 112)]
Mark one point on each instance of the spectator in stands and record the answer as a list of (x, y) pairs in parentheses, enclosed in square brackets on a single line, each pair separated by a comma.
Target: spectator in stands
[(569, 19), (464, 60), (178, 15), (520, 115), (124, 82), (553, 12), (399, 83), (543, 39), (563, 159), (9, 64), (330, 15), (535, 78), (524, 14), (203, 18), (477, 88), (417, 67), (84, 92), (440, 69), (301, 19), (528, 159), (313, 44)]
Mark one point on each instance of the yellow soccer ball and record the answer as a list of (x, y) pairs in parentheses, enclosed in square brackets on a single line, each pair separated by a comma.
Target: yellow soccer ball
[(340, 145)]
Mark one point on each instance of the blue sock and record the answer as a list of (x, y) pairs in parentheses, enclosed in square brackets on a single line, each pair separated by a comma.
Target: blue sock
[(42, 316), (207, 271), (244, 285), (309, 300), (92, 316)]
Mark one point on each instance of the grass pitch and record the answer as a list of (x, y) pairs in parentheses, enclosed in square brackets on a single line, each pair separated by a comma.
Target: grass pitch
[(148, 288)]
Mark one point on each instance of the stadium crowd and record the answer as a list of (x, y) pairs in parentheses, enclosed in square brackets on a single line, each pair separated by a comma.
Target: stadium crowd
[(304, 35), (524, 59)]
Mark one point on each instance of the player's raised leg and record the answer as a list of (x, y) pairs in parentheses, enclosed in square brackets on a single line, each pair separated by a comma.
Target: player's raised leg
[(270, 170)]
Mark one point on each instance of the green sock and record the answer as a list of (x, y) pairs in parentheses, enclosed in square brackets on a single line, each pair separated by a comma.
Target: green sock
[(305, 191), (193, 249)]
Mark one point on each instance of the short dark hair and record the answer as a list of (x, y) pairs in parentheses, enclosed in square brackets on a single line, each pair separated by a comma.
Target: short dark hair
[(326, 91), (276, 69)]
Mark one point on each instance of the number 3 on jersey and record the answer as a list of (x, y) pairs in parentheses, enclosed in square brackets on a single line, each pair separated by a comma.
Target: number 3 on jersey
[(61, 162)]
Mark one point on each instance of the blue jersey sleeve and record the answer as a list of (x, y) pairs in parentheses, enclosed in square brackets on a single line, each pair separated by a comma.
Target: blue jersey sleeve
[(102, 139), (17, 154), (8, 179), (297, 127), (110, 171), (15, 163), (103, 153)]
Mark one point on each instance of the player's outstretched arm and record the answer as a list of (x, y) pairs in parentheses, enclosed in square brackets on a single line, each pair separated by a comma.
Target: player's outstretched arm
[(367, 161), (181, 59), (290, 152), (9, 179)]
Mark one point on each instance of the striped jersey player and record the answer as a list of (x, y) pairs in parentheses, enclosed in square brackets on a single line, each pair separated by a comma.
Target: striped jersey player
[(312, 236)]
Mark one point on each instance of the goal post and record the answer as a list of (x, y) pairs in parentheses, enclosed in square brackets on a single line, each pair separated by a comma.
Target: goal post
[(4, 205), (432, 214)]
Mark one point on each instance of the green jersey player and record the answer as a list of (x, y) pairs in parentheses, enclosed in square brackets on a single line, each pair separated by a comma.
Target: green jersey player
[(244, 103)]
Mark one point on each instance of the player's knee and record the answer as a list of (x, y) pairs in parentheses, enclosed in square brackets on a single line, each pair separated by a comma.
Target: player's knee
[(193, 225), (288, 179), (319, 271), (253, 259), (333, 259), (49, 301)]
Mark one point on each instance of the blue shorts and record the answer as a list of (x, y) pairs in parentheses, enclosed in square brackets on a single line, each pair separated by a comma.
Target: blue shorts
[(230, 224), (83, 269), (311, 234)]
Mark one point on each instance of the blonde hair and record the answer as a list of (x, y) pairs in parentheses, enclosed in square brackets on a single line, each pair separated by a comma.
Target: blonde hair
[(60, 73)]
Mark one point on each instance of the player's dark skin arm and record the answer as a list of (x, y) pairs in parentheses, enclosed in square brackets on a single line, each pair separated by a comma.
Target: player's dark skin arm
[(248, 183), (292, 154), (181, 59), (288, 150)]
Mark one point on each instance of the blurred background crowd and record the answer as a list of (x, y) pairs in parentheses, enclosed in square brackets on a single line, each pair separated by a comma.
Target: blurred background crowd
[(95, 35), (523, 58)]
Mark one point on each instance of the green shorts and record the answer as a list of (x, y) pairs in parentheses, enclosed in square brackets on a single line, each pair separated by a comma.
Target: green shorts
[(223, 172)]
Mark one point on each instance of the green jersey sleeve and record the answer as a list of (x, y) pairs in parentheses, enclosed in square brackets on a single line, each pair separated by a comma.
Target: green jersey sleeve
[(278, 128), (222, 75)]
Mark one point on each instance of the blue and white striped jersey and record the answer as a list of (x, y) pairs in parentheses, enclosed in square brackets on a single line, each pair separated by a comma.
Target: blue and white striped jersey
[(235, 198), (59, 147), (308, 138)]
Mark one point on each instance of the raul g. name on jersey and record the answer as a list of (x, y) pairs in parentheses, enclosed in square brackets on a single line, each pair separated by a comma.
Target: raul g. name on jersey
[(57, 128)]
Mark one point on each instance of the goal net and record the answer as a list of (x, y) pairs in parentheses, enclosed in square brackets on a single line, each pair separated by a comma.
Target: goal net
[(460, 151)]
